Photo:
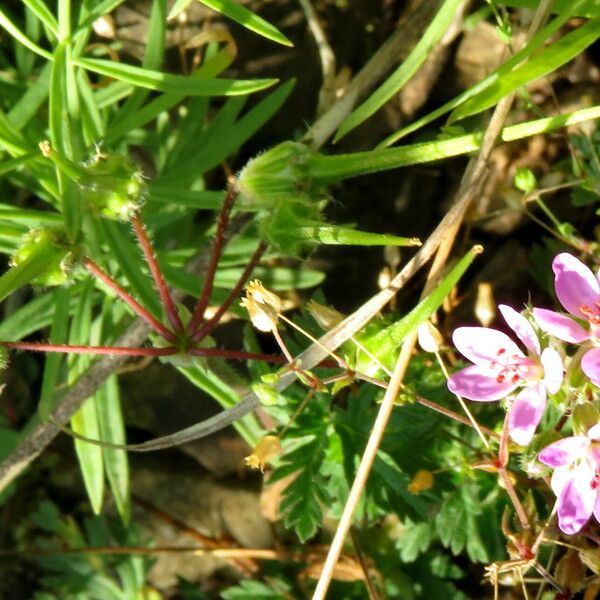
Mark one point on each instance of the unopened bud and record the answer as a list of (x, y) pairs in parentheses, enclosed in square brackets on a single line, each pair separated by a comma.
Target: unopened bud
[(430, 339), (268, 447), (485, 307)]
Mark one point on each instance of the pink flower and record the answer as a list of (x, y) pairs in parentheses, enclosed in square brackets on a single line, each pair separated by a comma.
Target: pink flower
[(500, 367), (576, 478), (578, 290)]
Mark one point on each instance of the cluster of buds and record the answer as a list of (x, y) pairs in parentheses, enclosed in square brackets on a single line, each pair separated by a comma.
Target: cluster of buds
[(524, 377)]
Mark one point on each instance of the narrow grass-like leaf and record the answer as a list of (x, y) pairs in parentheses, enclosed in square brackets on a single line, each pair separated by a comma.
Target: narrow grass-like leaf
[(334, 235), (423, 311), (165, 82), (57, 105), (216, 388), (201, 199), (112, 93), (153, 58), (34, 315), (535, 42), (45, 258), (128, 257), (548, 60), (328, 169), (406, 70), (15, 32), (32, 218), (85, 420), (150, 111), (587, 8), (6, 166), (59, 332), (92, 122), (225, 141), (43, 13), (112, 430), (238, 13), (100, 9), (25, 109)]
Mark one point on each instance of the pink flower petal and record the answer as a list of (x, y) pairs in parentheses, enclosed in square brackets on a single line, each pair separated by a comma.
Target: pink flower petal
[(574, 283), (522, 327), (590, 365), (479, 384), (482, 345), (576, 501), (553, 369), (526, 413), (560, 326), (597, 508), (564, 451), (594, 432)]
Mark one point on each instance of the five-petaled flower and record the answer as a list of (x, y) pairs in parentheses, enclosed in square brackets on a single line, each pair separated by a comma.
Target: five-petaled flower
[(576, 478), (578, 290), (500, 367)]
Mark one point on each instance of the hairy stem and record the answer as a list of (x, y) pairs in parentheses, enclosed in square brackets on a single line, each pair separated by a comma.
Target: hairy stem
[(159, 280), (139, 310), (217, 249)]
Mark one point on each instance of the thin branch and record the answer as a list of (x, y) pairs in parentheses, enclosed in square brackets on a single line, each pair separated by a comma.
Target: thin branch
[(217, 249), (159, 280), (107, 350), (209, 326), (139, 310)]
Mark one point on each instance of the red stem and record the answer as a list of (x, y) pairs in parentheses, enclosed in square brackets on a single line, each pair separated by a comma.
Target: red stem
[(68, 348), (207, 327), (93, 268), (159, 280), (217, 248)]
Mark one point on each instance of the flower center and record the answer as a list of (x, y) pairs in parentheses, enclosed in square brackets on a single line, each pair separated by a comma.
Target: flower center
[(513, 367), (592, 314)]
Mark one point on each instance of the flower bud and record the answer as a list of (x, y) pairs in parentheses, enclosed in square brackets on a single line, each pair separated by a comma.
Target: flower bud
[(46, 248), (430, 339), (277, 174), (114, 187)]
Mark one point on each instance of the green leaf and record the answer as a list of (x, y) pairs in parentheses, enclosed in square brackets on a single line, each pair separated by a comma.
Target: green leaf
[(238, 13), (535, 42), (141, 116), (406, 70), (58, 335), (165, 82), (328, 169), (335, 235), (216, 388), (43, 13), (112, 430), (548, 60), (15, 32), (248, 589), (42, 260), (85, 420), (36, 95), (418, 315), (587, 8)]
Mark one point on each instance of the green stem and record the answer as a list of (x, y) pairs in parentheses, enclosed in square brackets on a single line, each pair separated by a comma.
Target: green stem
[(329, 169)]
